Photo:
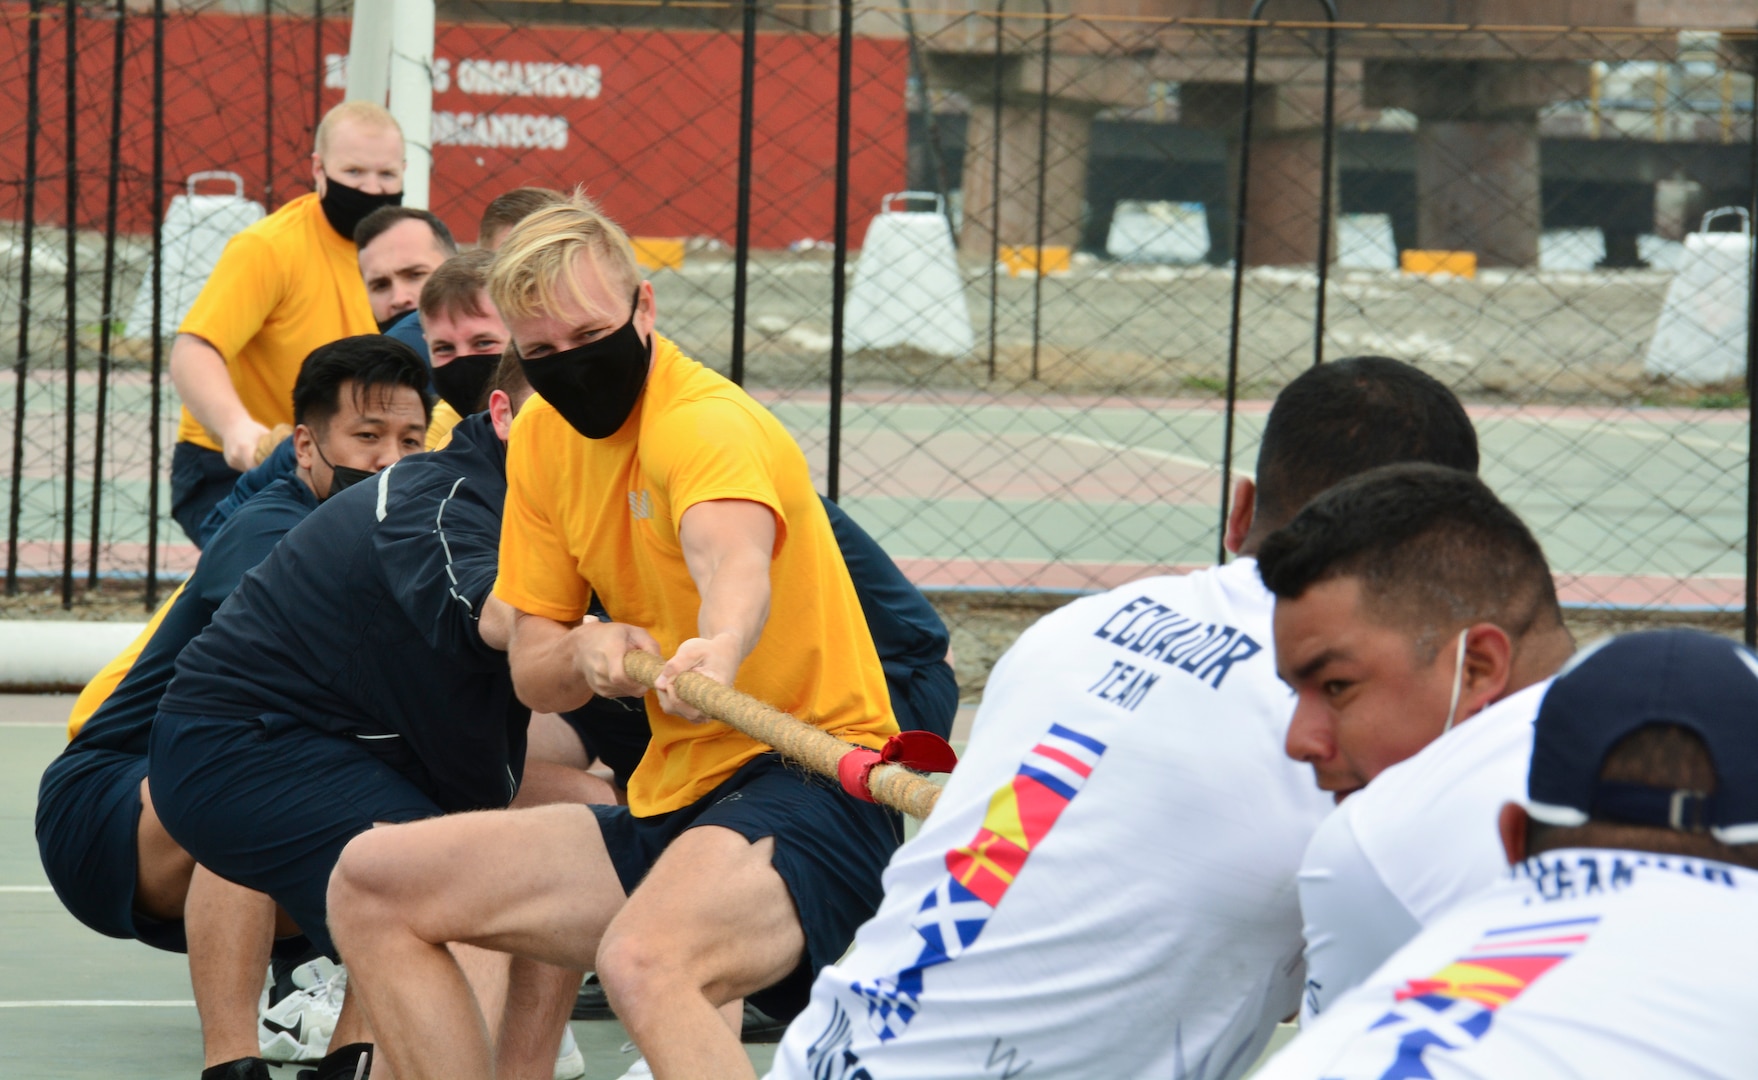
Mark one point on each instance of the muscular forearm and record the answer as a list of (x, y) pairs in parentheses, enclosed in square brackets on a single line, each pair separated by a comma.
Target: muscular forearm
[(496, 624), (735, 599), (199, 373), (545, 675)]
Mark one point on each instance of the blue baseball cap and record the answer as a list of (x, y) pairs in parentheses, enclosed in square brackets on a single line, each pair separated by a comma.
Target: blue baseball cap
[(1695, 680)]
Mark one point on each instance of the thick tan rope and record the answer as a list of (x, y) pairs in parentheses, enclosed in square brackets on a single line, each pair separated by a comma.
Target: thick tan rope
[(891, 785)]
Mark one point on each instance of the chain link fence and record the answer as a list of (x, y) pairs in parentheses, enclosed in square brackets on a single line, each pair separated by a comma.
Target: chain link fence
[(1022, 281)]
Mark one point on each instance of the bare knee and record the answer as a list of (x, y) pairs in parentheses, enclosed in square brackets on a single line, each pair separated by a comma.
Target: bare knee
[(635, 967), (363, 891)]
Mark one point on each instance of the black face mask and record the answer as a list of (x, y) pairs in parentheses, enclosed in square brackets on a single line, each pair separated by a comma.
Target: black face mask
[(344, 206), (342, 477), (463, 383), (595, 386)]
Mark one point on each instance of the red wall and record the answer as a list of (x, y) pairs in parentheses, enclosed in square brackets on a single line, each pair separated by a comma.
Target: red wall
[(657, 144)]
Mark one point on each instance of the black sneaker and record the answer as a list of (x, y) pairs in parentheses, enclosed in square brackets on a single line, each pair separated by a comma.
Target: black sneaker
[(591, 1003), (760, 1027), (241, 1069)]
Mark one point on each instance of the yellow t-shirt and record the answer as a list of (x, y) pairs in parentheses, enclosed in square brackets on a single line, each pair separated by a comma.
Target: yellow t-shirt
[(439, 427), (105, 682), (282, 287), (586, 516)]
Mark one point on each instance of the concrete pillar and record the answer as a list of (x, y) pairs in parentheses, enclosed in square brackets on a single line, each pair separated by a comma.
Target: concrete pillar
[(1069, 135), (1287, 169), (1477, 167), (1477, 189)]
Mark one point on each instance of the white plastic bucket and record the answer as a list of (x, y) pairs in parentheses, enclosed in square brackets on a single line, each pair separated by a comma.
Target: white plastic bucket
[(907, 289), (1701, 334), (197, 228)]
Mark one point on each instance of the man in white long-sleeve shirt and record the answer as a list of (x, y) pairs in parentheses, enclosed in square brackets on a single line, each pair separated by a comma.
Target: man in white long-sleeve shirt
[(1106, 887), (1417, 622), (1620, 943)]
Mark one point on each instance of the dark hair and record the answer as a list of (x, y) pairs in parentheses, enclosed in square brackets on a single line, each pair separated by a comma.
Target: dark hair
[(1349, 416), (1665, 756), (1432, 547), (509, 375), (457, 285), (507, 210), (369, 361), (380, 221)]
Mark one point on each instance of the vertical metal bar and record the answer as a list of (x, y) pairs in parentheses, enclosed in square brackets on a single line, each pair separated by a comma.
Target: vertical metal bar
[(1239, 216), (845, 47), (995, 189), (107, 325), (1043, 182), (317, 64), (1326, 184), (1752, 384), (154, 449), (70, 296), (742, 239), (918, 69), (268, 105), (21, 366)]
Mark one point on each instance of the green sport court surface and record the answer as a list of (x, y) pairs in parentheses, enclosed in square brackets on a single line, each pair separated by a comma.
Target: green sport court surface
[(1635, 506)]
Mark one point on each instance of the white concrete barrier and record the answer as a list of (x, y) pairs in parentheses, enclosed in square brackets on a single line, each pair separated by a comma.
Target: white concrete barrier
[(1158, 232), (1700, 336), (907, 289), (1364, 242), (59, 655)]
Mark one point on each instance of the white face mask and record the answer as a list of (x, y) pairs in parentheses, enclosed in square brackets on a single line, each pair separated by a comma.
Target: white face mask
[(1458, 682)]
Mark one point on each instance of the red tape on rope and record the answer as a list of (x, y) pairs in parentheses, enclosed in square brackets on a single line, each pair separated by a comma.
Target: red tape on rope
[(923, 751)]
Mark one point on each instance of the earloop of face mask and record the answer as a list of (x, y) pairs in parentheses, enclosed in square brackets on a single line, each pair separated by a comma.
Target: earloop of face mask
[(1458, 682)]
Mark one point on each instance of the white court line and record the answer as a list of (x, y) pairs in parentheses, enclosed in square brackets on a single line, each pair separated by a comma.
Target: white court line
[(26, 888), (101, 1004), (34, 723), (1146, 451), (1610, 429)]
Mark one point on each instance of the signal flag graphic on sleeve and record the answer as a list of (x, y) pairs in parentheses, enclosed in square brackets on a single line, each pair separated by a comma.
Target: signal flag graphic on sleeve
[(979, 873), (1454, 1008)]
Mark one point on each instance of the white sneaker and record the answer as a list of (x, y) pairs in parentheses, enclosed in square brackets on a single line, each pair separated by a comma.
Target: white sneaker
[(639, 1070), (298, 1027), (570, 1063)]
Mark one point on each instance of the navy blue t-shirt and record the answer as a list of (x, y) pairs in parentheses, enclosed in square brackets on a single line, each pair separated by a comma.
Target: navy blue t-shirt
[(363, 623), (280, 463), (124, 721)]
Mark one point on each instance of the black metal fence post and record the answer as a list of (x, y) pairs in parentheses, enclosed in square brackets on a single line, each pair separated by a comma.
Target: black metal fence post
[(1752, 383), (21, 366), (154, 449), (1239, 224), (845, 47), (268, 105), (70, 293), (742, 239), (995, 186), (317, 65), (1043, 183), (107, 325), (1326, 185)]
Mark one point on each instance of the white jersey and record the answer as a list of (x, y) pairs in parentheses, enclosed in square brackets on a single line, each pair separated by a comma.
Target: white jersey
[(1106, 887), (1410, 845), (1586, 963)]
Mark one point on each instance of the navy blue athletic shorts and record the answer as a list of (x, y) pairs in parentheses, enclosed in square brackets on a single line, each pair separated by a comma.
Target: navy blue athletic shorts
[(88, 814), (614, 731), (830, 850), (200, 479), (270, 802)]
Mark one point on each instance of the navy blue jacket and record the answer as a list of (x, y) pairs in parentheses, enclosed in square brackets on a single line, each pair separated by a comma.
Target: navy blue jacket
[(363, 623), (124, 721)]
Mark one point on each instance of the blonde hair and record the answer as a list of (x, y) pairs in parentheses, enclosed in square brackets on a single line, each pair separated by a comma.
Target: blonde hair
[(358, 111), (536, 261)]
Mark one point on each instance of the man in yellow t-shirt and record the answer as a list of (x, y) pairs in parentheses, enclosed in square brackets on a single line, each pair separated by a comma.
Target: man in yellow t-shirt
[(646, 479), (282, 287)]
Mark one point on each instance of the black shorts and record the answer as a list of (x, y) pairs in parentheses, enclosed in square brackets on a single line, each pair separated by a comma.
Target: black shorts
[(200, 478), (88, 815), (270, 802), (614, 731), (830, 850)]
